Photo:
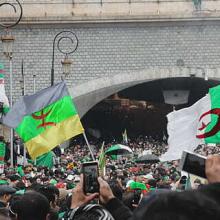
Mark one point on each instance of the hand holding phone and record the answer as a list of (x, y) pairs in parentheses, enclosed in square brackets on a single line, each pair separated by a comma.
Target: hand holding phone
[(193, 163), (213, 168), (79, 198), (90, 177)]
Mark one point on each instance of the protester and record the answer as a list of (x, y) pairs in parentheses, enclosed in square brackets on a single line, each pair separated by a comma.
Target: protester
[(125, 188), (30, 206), (5, 194)]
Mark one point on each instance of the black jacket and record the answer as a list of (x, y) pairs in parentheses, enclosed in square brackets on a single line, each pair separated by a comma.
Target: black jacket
[(118, 210)]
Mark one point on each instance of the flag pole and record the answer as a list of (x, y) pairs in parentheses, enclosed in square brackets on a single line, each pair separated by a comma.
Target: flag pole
[(23, 93), (11, 101), (84, 135), (34, 87)]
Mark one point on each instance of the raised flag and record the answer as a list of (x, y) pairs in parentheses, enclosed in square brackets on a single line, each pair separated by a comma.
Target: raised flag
[(3, 98), (125, 136), (2, 156), (46, 160), (1, 68), (45, 119), (190, 127), (102, 160)]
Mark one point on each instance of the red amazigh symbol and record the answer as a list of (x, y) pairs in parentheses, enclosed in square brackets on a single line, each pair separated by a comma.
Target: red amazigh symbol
[(215, 129), (42, 117)]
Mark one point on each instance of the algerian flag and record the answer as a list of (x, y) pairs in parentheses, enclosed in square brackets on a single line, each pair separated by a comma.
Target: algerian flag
[(198, 124), (1, 68), (2, 152), (3, 97), (45, 119)]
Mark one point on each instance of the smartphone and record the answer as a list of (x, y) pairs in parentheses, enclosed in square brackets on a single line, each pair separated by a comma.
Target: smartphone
[(193, 163), (90, 177)]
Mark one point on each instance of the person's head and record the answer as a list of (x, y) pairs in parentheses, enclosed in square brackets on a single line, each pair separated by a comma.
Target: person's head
[(116, 189), (196, 183), (32, 205), (132, 199), (185, 205), (50, 192), (6, 192)]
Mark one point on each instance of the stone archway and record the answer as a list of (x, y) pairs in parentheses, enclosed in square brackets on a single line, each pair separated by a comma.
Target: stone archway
[(92, 92)]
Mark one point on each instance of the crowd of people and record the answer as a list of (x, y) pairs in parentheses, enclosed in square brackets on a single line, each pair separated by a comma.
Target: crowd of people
[(127, 189)]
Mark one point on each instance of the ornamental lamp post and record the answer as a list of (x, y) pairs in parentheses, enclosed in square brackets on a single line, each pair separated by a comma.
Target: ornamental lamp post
[(7, 44), (7, 41), (67, 36)]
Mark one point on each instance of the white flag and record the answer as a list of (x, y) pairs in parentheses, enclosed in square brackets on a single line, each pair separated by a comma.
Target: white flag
[(3, 97), (183, 127)]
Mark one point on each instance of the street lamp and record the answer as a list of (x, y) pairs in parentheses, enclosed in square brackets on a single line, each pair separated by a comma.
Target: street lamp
[(7, 42), (66, 66), (66, 63)]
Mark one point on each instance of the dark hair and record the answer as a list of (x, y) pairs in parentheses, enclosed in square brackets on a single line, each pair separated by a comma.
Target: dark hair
[(116, 189), (32, 205), (131, 198), (49, 191), (20, 185), (152, 183), (186, 205)]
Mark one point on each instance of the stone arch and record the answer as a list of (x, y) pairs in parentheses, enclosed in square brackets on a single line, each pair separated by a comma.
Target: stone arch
[(88, 94)]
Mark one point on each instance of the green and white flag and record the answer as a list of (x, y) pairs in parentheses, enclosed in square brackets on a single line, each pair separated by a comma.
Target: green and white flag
[(102, 160), (3, 97), (2, 156), (190, 127), (46, 160), (1, 68)]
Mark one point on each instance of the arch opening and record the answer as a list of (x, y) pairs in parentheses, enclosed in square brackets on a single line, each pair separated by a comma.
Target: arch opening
[(142, 109)]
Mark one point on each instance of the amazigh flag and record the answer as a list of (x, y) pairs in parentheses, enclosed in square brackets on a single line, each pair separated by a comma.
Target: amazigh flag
[(3, 97), (190, 127), (45, 119)]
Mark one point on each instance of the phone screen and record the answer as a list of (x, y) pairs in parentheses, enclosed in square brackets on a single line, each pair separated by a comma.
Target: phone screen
[(194, 164), (90, 182)]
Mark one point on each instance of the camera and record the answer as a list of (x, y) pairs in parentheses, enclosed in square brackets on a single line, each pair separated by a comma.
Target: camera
[(90, 177), (193, 163)]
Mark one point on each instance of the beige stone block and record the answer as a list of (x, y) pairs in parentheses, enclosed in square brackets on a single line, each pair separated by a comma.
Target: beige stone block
[(174, 7), (115, 9), (86, 10), (150, 8)]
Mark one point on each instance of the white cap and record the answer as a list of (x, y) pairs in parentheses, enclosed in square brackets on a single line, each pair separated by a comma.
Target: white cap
[(70, 177), (148, 176), (129, 182)]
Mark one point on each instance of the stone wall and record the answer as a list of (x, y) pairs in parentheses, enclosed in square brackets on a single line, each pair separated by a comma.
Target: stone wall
[(67, 11), (109, 49)]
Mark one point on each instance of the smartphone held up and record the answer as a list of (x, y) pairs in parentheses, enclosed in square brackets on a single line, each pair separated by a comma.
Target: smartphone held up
[(90, 177), (193, 164)]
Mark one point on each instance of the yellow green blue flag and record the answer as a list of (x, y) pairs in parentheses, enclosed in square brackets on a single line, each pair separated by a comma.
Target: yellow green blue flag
[(45, 119)]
